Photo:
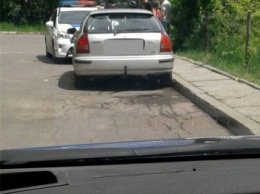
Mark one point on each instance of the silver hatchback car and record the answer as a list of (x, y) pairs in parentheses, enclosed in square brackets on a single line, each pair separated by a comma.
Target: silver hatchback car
[(122, 42)]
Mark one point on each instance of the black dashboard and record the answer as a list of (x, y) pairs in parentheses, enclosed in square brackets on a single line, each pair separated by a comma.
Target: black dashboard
[(200, 176)]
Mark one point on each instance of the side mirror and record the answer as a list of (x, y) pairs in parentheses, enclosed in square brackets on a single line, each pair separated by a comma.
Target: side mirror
[(71, 30), (49, 23)]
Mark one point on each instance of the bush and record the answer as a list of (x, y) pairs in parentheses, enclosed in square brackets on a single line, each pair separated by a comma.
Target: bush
[(25, 12), (226, 30)]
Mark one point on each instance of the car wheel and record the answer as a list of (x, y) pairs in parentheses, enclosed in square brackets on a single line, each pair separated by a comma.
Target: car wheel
[(55, 59), (166, 79), (78, 81), (48, 55)]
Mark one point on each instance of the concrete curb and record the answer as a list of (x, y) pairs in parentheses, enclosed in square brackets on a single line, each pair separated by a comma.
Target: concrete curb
[(235, 122), (253, 85)]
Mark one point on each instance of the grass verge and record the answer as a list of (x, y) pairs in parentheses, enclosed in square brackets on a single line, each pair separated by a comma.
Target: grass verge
[(23, 28), (250, 73)]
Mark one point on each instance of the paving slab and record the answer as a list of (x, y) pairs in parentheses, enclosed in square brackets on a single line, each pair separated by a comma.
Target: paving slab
[(234, 103), (233, 94), (245, 101), (221, 86)]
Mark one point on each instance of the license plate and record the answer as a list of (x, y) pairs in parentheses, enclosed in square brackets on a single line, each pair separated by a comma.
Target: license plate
[(123, 47)]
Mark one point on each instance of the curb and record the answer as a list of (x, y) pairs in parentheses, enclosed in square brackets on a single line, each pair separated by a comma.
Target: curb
[(234, 121), (253, 85)]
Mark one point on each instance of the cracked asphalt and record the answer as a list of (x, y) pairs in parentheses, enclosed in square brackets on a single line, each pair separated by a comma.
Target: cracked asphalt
[(41, 107)]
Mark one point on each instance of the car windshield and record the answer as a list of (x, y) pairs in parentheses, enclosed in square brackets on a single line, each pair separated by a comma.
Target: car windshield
[(122, 22), (129, 96), (126, 73), (72, 17)]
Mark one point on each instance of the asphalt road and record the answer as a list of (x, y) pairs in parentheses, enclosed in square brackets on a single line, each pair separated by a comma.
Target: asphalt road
[(41, 107)]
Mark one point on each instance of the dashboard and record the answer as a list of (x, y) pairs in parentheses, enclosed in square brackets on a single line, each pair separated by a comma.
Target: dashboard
[(200, 176)]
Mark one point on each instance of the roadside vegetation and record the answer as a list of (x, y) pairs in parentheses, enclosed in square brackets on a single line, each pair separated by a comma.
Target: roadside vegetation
[(4, 26), (211, 31), (214, 32)]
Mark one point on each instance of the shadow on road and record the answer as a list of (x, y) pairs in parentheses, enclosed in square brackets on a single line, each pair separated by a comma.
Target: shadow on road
[(111, 83), (50, 61)]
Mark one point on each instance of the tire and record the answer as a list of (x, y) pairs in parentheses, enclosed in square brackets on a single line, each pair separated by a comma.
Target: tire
[(48, 55), (55, 59), (166, 79)]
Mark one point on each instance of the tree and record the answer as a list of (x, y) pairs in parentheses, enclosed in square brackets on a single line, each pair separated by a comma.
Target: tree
[(26, 11), (187, 19)]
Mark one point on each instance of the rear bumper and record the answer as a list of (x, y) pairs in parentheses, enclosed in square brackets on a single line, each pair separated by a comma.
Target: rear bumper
[(123, 65)]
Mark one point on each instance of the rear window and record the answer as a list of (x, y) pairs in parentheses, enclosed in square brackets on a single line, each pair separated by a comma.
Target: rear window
[(122, 22), (72, 17)]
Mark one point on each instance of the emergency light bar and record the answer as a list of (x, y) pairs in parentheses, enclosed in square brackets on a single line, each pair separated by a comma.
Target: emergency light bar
[(75, 3)]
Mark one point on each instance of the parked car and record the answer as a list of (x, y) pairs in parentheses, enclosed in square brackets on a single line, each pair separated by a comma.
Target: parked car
[(122, 42), (57, 40)]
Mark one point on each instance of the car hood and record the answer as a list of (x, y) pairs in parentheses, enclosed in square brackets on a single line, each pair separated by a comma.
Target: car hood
[(133, 150)]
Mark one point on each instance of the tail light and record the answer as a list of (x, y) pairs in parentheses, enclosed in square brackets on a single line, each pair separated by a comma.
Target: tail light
[(83, 44), (166, 45)]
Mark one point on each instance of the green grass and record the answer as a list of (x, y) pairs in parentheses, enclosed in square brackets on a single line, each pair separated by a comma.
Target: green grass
[(233, 65), (23, 28)]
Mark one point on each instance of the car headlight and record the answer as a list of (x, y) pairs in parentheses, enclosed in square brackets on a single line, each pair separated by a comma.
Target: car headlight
[(61, 34)]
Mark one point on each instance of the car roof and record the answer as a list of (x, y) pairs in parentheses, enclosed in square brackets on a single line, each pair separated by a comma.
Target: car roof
[(77, 8), (119, 10)]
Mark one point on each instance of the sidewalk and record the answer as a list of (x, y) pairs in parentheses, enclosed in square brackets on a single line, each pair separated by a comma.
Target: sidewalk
[(234, 104)]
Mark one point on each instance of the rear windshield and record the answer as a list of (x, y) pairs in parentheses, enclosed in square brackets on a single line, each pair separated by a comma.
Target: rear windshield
[(72, 17), (122, 22)]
